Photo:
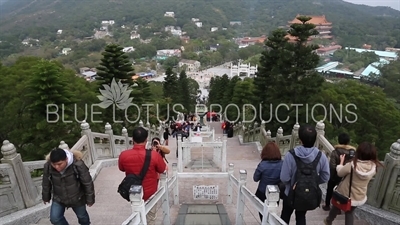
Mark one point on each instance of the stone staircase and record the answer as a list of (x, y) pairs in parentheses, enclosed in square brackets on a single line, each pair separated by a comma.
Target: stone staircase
[(110, 208)]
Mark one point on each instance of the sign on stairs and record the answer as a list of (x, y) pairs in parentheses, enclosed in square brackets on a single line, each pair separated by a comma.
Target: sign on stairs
[(205, 192)]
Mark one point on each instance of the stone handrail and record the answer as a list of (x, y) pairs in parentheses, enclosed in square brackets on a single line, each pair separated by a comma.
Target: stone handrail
[(268, 208), (19, 190), (389, 176)]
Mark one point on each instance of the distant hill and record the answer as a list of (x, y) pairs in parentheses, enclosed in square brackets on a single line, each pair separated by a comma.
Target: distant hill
[(352, 24)]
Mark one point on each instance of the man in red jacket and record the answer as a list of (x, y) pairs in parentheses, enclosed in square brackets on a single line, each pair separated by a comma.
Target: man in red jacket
[(131, 162)]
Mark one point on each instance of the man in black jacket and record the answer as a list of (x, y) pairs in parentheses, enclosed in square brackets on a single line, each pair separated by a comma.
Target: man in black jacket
[(67, 177), (342, 148)]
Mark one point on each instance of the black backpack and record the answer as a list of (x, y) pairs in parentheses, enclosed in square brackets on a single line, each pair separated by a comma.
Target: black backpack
[(133, 179), (305, 193)]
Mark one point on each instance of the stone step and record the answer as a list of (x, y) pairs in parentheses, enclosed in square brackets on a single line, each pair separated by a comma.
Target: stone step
[(43, 221)]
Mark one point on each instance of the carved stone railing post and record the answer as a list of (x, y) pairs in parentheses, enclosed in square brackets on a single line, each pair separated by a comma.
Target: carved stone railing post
[(230, 185), (320, 128), (165, 199), (279, 137), (256, 137), (92, 148), (161, 129), (140, 123), (180, 154), (176, 187), (24, 179), (126, 135), (269, 137), (137, 202), (241, 198), (223, 152), (63, 145), (295, 136), (387, 177), (109, 131), (262, 138), (150, 131)]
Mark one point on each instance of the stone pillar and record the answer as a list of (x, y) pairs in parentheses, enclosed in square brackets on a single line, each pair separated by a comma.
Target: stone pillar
[(137, 202), (63, 145), (109, 131), (126, 135), (223, 152), (240, 198), (230, 185), (91, 147), (387, 177), (165, 199), (295, 136), (320, 128), (180, 152), (176, 187), (271, 202), (279, 136), (24, 179)]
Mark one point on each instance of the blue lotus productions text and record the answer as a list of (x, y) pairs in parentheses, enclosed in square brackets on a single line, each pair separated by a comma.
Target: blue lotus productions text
[(248, 113)]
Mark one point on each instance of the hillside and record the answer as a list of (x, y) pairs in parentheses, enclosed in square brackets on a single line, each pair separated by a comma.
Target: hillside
[(353, 24)]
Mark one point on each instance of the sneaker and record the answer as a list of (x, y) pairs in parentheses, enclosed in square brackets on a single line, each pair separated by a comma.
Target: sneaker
[(326, 207), (326, 222)]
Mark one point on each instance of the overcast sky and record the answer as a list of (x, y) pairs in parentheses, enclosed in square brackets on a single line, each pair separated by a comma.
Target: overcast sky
[(391, 3)]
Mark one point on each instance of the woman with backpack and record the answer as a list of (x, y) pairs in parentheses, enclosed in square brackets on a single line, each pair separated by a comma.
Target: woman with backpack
[(357, 175), (268, 170)]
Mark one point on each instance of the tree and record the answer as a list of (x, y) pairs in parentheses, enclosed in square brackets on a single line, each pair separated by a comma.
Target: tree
[(184, 93), (170, 85), (286, 74), (114, 64), (46, 89)]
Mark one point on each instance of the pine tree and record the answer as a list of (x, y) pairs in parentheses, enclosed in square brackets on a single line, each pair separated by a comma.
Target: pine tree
[(184, 95), (170, 85), (45, 129), (114, 64), (287, 74)]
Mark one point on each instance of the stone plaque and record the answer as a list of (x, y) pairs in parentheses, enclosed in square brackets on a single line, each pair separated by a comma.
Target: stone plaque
[(196, 139), (205, 192)]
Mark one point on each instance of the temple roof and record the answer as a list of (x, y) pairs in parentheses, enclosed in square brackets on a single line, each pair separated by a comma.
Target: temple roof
[(317, 20)]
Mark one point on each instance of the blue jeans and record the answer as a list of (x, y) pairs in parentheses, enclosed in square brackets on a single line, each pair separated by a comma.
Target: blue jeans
[(57, 214)]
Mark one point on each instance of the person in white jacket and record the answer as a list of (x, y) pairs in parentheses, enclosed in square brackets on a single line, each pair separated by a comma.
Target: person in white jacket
[(364, 167)]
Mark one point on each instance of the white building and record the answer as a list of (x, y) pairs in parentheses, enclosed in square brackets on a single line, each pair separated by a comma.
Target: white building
[(195, 19), (169, 14), (128, 49), (66, 51), (199, 24), (190, 65), (135, 35), (249, 70), (214, 29), (107, 22), (59, 31)]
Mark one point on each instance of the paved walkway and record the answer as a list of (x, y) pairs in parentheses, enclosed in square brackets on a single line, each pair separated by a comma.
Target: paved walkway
[(110, 208)]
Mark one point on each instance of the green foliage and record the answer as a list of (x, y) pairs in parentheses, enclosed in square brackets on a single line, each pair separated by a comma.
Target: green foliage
[(28, 86), (354, 60), (114, 64), (184, 95), (286, 74), (362, 111), (170, 85)]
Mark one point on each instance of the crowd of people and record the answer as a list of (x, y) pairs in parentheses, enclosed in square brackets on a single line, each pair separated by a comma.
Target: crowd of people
[(304, 168), (67, 181)]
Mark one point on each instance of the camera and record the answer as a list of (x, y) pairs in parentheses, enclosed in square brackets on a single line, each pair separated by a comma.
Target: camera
[(352, 153), (155, 143)]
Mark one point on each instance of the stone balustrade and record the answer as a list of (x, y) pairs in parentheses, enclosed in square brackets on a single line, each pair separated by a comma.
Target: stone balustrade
[(387, 198), (20, 190)]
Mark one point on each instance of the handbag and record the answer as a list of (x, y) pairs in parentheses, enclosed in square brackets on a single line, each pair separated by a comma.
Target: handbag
[(340, 201)]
